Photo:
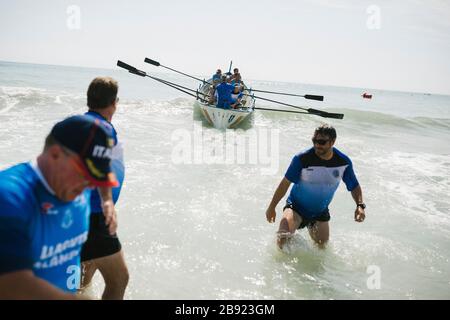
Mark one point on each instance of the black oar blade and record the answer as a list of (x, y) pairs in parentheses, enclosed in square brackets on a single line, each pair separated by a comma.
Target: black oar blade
[(138, 73), (313, 97), (131, 69), (326, 114), (153, 62), (125, 66), (334, 115)]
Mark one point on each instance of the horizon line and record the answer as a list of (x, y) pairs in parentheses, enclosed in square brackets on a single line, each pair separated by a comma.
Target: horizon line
[(282, 81)]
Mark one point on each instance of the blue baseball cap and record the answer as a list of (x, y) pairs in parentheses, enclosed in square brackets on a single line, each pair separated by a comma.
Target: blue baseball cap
[(92, 141)]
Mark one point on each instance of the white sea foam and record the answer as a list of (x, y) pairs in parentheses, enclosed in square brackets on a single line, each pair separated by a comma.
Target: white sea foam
[(198, 231)]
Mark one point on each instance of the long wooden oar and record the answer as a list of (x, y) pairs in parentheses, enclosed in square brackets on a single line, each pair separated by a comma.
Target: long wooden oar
[(279, 110), (306, 96), (185, 90), (156, 63), (141, 73), (309, 110)]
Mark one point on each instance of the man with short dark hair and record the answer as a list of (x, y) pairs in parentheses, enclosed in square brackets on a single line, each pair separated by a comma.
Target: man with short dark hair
[(235, 78), (103, 250), (217, 76), (316, 174), (44, 210)]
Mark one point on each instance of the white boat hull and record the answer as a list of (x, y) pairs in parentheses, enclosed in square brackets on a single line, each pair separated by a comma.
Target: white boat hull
[(223, 118), (226, 118)]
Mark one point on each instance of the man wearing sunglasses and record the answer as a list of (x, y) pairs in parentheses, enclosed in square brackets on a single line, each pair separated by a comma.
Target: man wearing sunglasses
[(316, 174), (44, 210)]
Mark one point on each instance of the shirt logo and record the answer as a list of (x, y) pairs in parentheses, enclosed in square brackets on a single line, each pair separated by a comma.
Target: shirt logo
[(47, 208), (80, 200), (336, 173), (102, 152), (67, 220)]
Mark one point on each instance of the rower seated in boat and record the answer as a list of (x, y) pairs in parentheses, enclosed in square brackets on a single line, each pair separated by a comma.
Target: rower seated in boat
[(236, 96), (223, 94), (217, 76), (235, 77)]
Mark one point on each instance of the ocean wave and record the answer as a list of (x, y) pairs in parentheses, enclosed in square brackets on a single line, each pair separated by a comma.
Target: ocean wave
[(378, 118), (19, 98)]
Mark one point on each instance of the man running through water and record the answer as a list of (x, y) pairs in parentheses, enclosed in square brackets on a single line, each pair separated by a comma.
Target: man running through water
[(103, 250), (44, 210), (316, 174)]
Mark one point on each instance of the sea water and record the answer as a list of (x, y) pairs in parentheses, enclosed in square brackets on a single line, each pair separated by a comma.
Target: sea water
[(192, 213)]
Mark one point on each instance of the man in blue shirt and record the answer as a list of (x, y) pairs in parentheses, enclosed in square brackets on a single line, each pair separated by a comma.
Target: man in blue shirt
[(223, 93), (316, 174), (236, 96), (103, 250), (44, 210), (217, 76)]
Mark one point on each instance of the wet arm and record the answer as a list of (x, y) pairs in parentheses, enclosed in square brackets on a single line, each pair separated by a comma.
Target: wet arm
[(357, 195), (279, 193)]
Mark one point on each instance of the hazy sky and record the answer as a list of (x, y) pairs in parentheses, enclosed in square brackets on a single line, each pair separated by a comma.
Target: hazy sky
[(396, 45)]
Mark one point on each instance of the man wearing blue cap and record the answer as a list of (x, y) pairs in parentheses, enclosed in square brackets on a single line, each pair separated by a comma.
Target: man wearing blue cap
[(44, 210)]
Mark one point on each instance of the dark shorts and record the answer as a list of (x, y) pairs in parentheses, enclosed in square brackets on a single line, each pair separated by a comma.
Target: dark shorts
[(306, 221), (99, 243)]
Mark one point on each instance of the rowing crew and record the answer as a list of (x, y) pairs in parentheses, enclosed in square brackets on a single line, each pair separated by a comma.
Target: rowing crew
[(226, 91)]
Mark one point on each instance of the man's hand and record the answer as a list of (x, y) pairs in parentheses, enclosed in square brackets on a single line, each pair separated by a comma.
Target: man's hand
[(271, 214), (109, 211), (360, 215)]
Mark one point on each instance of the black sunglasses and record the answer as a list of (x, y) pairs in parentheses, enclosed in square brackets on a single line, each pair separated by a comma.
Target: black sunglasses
[(320, 141)]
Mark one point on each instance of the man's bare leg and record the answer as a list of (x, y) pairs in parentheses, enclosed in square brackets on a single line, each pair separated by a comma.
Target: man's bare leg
[(320, 233), (88, 269), (114, 272), (289, 223)]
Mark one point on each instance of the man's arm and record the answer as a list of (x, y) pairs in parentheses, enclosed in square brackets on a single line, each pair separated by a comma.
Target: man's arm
[(360, 214), (278, 195), (109, 210), (25, 285)]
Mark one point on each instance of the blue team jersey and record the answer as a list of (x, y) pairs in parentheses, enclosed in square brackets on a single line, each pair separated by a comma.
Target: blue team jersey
[(117, 164), (316, 180), (236, 96), (223, 92), (39, 232)]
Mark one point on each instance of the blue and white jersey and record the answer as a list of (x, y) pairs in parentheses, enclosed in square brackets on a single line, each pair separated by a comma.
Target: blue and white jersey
[(38, 231), (224, 91), (216, 77), (117, 164), (236, 96), (316, 180)]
